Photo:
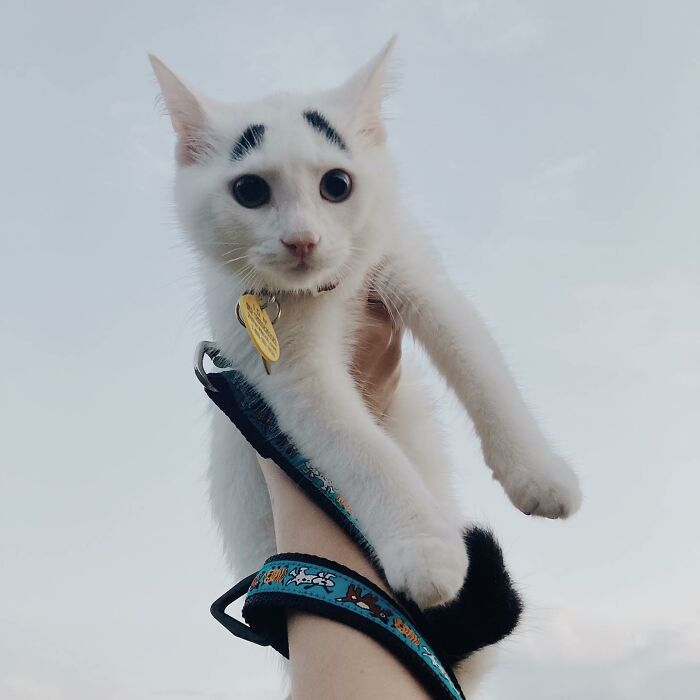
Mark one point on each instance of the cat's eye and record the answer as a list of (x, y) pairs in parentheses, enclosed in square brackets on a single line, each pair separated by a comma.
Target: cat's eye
[(336, 185), (250, 191)]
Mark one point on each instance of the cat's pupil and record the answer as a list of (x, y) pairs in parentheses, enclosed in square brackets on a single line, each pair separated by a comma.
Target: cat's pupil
[(336, 185), (250, 191)]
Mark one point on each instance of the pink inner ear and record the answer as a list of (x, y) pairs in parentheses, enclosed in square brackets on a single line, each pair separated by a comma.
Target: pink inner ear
[(374, 132), (363, 94), (192, 139), (186, 114), (189, 149)]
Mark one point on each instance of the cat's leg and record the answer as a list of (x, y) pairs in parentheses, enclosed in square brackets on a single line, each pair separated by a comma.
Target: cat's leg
[(421, 551), (410, 420), (537, 480), (239, 498)]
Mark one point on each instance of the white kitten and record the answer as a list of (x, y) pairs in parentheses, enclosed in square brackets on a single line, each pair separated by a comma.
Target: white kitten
[(297, 194)]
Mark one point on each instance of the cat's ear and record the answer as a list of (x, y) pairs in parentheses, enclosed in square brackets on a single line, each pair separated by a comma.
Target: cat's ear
[(362, 95), (186, 113)]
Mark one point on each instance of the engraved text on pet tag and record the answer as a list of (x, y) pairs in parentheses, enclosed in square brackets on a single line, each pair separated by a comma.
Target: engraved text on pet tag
[(254, 317)]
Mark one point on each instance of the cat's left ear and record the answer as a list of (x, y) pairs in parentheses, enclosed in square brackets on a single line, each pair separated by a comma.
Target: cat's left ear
[(362, 95), (186, 114)]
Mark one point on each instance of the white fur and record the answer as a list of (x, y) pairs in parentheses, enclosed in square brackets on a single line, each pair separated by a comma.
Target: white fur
[(472, 671), (395, 476)]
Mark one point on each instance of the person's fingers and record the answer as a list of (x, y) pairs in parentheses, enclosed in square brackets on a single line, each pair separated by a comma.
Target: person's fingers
[(377, 357)]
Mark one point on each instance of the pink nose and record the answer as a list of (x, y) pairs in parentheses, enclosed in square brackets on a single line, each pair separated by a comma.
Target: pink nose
[(301, 246)]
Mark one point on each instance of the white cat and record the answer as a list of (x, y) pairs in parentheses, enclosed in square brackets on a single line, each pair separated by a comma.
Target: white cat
[(298, 195)]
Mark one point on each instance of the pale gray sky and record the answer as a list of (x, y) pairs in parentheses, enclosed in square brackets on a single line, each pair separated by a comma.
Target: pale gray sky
[(551, 147)]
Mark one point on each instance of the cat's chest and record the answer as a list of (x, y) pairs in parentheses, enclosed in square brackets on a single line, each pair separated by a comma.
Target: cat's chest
[(308, 331), (317, 328)]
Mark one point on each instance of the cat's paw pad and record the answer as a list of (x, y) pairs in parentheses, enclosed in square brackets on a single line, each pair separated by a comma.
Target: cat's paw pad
[(429, 568), (548, 488)]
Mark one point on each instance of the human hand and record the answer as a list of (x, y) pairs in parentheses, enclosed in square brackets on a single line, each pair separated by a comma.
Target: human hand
[(376, 361), (300, 526), (376, 368)]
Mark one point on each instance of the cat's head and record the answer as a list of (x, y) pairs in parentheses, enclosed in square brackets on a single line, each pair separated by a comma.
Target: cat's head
[(288, 192)]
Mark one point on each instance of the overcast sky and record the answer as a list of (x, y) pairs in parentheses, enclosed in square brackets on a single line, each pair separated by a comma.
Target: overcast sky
[(552, 150)]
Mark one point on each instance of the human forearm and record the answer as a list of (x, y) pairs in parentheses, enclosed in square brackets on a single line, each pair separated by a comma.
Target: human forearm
[(328, 659)]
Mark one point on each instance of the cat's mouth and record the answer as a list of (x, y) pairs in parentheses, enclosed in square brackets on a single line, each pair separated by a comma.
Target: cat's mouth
[(303, 267), (303, 277), (310, 275)]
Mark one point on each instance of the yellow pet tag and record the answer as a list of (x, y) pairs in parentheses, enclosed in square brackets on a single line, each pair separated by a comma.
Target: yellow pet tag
[(257, 322)]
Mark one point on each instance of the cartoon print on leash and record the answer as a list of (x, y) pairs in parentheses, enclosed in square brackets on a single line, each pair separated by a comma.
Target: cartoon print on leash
[(406, 631), (275, 575), (301, 578), (343, 503), (433, 659), (325, 484), (367, 602)]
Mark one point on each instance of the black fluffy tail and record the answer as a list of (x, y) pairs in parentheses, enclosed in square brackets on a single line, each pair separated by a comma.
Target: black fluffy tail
[(487, 609)]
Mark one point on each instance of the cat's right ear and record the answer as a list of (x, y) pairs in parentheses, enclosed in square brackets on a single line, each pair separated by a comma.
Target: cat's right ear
[(362, 95), (186, 114)]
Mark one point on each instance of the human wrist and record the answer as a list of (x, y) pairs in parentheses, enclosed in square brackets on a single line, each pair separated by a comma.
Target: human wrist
[(301, 526)]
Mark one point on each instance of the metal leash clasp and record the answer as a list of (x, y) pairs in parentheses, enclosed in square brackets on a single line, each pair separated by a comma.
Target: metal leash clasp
[(208, 348)]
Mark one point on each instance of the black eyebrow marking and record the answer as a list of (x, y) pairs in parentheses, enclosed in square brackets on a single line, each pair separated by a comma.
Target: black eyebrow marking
[(251, 138), (317, 121)]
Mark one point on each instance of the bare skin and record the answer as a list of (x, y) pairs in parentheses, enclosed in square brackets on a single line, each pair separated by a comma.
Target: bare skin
[(330, 660)]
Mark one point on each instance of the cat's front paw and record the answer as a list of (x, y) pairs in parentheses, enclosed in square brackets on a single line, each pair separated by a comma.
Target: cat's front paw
[(543, 485), (429, 567)]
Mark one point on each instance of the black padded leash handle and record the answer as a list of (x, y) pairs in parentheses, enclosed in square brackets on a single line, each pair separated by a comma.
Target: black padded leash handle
[(234, 626), (318, 586)]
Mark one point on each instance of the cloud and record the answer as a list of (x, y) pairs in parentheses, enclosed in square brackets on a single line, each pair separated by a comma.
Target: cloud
[(577, 656), (26, 688)]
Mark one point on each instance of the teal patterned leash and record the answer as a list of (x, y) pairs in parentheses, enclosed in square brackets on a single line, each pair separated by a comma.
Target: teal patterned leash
[(256, 420), (324, 587), (310, 583)]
